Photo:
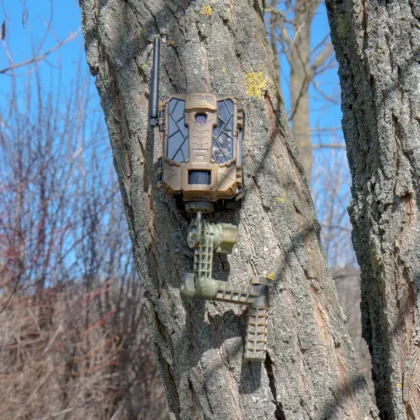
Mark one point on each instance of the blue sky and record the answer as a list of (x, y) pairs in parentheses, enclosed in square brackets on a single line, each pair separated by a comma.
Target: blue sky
[(21, 39)]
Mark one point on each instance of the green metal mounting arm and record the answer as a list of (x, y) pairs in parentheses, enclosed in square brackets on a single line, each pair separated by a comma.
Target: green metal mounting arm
[(205, 238)]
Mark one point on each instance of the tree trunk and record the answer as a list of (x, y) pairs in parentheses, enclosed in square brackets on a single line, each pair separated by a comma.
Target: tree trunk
[(310, 371), (377, 45), (299, 81)]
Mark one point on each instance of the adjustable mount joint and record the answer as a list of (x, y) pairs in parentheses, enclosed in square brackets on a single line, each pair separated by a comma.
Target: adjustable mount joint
[(205, 238)]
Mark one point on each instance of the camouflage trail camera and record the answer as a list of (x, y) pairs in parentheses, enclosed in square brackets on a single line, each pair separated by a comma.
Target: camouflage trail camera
[(202, 146), (202, 156), (202, 165)]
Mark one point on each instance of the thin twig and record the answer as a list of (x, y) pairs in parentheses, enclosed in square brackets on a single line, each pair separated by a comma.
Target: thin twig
[(329, 146), (42, 56)]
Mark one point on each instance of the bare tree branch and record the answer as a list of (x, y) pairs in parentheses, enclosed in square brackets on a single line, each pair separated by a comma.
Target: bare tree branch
[(38, 58), (321, 58), (328, 146)]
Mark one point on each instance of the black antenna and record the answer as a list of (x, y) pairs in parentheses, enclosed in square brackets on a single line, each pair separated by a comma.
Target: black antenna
[(154, 85)]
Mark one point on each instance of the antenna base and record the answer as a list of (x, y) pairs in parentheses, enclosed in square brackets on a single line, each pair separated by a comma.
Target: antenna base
[(153, 122)]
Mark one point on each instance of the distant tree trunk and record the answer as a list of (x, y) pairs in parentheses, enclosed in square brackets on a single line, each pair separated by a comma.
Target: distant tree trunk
[(377, 46), (299, 80), (293, 23), (310, 370)]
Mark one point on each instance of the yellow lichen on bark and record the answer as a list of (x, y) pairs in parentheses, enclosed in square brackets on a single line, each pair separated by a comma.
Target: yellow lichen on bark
[(255, 83), (206, 11)]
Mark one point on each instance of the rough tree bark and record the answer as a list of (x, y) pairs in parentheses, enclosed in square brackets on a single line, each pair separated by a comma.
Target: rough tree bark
[(378, 46), (310, 371)]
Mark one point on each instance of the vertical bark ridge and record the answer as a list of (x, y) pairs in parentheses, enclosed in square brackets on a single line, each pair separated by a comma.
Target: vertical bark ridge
[(311, 370), (377, 45)]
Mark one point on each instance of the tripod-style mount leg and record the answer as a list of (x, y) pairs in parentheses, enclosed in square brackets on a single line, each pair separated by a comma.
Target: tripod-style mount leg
[(205, 238)]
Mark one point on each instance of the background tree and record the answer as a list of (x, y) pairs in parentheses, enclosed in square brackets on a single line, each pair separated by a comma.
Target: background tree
[(377, 46), (331, 195), (305, 62), (198, 345), (291, 27)]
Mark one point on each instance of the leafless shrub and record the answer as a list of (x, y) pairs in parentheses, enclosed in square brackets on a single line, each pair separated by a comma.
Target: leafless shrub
[(74, 342), (331, 195), (59, 355)]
